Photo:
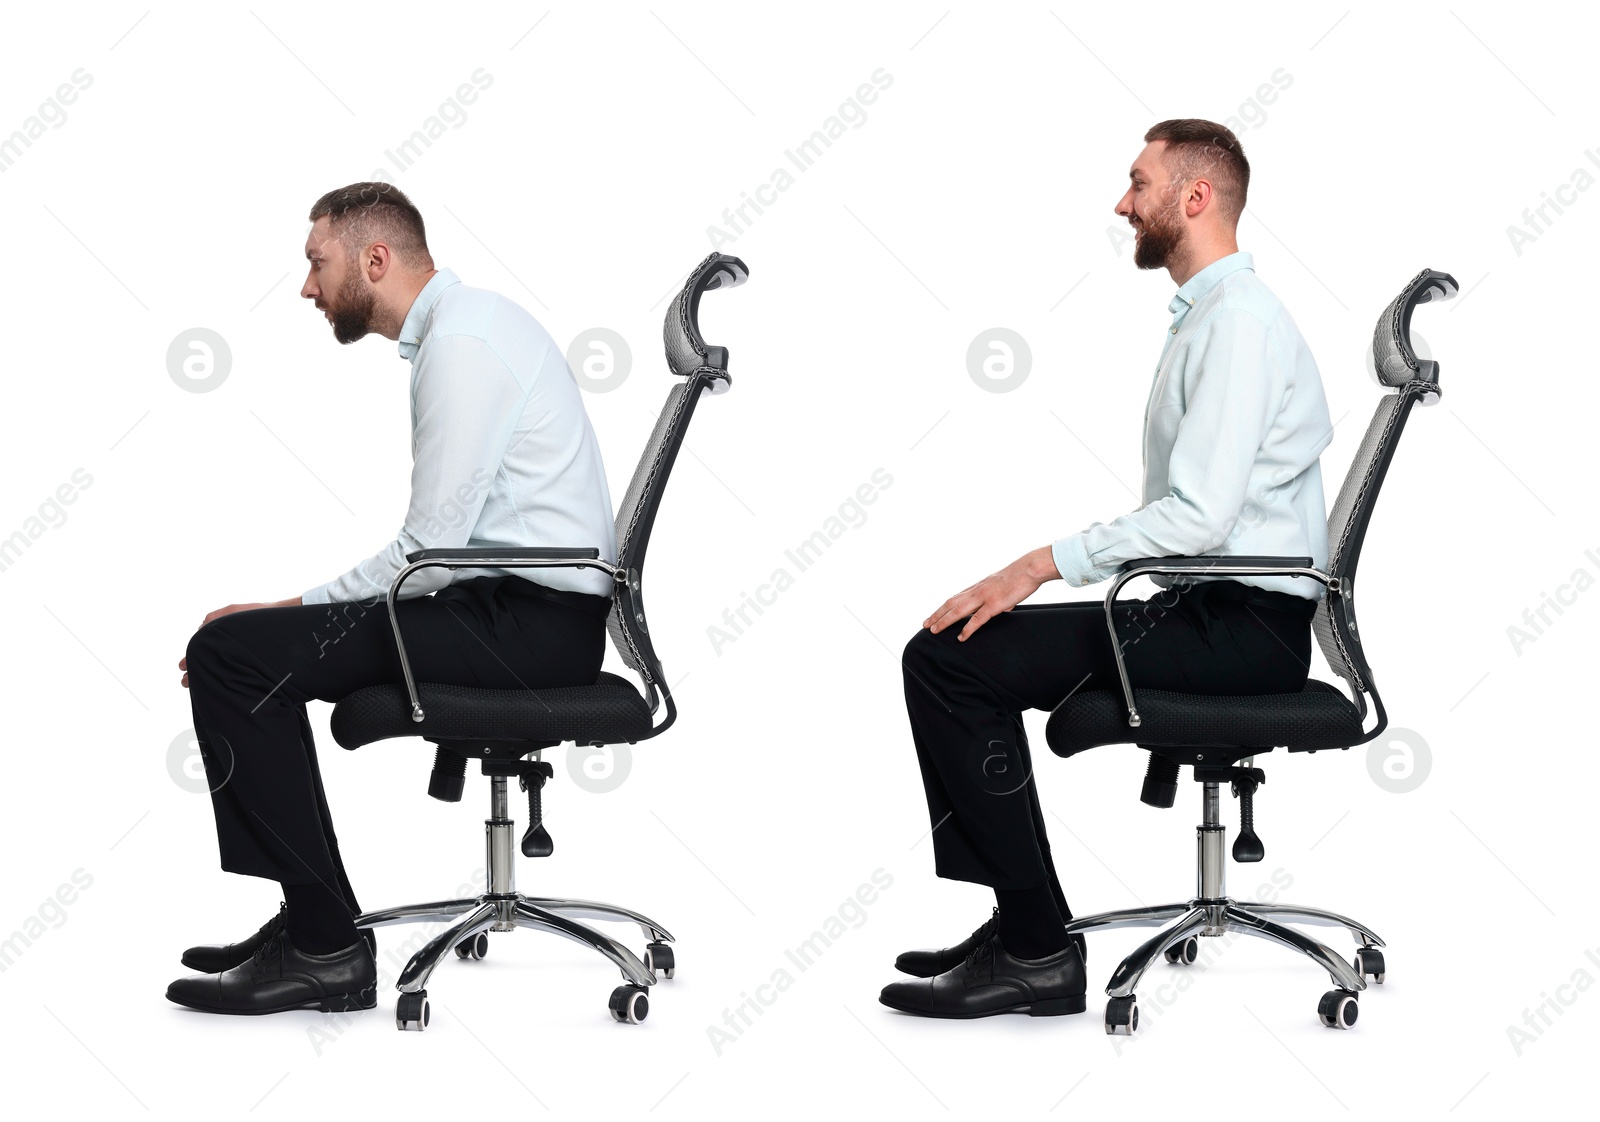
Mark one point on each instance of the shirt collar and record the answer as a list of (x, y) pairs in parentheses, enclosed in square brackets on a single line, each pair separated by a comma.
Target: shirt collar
[(415, 326), (1195, 288)]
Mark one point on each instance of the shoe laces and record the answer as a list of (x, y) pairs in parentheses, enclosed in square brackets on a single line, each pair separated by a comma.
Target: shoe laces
[(981, 954), (276, 923), (272, 948), (988, 927)]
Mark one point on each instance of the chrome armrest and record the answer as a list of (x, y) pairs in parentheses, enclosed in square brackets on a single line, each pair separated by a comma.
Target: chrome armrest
[(1217, 566), (483, 558)]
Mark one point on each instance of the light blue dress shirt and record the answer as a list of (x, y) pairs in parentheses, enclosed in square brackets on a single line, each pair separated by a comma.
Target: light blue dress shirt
[(1232, 433), (501, 447)]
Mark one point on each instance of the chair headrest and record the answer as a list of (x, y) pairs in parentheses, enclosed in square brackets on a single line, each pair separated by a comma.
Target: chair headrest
[(1394, 359), (687, 351)]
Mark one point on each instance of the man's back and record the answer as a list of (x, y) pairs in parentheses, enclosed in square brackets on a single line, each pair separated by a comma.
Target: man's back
[(551, 487), (1233, 429), (1285, 425), (502, 450)]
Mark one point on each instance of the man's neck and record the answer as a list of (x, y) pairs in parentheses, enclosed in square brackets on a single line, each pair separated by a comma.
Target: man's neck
[(1198, 258), (404, 299)]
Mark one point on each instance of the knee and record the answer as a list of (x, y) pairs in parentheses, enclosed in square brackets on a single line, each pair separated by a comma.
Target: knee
[(195, 652), (927, 655), (919, 648), (205, 645)]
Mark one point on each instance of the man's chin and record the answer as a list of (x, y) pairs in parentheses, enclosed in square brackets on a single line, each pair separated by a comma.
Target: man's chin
[(1150, 256)]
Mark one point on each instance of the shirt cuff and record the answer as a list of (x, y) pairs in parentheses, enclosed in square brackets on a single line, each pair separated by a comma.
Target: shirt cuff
[(1071, 556), (317, 595)]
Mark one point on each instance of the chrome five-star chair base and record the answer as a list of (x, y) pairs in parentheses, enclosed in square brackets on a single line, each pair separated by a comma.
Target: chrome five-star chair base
[(1212, 913), (502, 908)]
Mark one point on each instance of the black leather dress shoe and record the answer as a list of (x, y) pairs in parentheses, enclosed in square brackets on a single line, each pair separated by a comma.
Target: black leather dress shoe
[(279, 976), (925, 964), (214, 958), (990, 981)]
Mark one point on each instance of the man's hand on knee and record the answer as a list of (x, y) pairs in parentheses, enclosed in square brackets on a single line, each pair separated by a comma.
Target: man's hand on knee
[(996, 593), (294, 603), (183, 663)]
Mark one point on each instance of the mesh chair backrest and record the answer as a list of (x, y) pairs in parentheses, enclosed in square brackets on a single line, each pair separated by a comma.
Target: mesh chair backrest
[(704, 370), (1411, 380), (1347, 527), (637, 514)]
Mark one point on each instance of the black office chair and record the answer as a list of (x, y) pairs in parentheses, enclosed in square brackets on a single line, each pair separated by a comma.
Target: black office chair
[(1219, 736), (502, 729)]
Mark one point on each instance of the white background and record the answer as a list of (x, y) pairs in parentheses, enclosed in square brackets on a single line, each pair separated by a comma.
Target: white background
[(978, 192)]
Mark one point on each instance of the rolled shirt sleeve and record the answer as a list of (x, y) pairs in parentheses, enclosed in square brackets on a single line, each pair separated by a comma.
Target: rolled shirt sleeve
[(467, 403), (1234, 384)]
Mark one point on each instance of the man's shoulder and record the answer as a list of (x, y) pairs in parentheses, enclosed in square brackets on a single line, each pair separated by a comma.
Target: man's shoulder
[(480, 312), (1244, 291), (509, 329)]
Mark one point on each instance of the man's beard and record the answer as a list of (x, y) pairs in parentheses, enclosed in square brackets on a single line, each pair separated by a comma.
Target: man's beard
[(1163, 236), (352, 309)]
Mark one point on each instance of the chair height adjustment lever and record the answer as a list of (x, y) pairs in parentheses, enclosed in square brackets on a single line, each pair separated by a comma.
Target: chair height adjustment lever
[(1247, 846), (536, 841)]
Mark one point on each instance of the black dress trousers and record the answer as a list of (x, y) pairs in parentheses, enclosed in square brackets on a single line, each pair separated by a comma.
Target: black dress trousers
[(965, 700), (251, 674)]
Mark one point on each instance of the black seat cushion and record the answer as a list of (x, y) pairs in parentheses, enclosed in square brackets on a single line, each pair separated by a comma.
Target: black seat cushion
[(1319, 716), (609, 712)]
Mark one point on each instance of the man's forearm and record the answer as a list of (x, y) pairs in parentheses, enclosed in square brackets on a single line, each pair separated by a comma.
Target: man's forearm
[(1042, 564)]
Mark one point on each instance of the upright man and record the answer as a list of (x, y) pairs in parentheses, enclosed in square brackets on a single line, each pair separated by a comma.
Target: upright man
[(1234, 426), (502, 455)]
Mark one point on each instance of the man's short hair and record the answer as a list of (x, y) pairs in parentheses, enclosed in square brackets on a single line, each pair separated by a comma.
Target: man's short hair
[(1196, 149), (363, 213)]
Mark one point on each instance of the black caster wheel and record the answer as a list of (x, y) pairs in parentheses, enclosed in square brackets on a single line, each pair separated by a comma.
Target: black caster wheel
[(1122, 1016), (658, 957), (1184, 953), (411, 1012), (475, 948), (1338, 1009), (1369, 963), (630, 1004)]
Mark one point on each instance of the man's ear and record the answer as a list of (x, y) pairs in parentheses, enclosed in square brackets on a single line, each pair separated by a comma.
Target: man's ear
[(378, 261)]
